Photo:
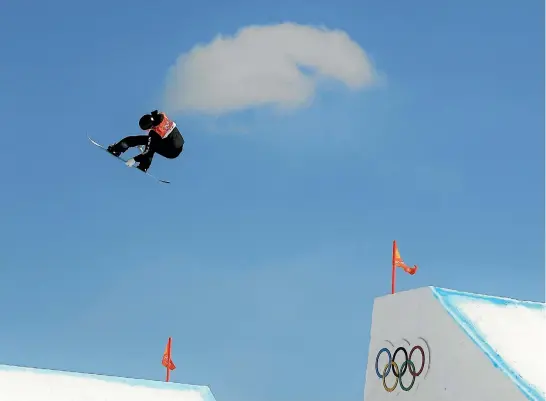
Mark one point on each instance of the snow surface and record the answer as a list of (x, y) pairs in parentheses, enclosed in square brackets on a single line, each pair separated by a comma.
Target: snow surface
[(517, 333), (511, 332), (21, 384)]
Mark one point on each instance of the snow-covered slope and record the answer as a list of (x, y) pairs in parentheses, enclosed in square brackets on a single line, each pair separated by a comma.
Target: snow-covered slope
[(511, 333), (28, 384)]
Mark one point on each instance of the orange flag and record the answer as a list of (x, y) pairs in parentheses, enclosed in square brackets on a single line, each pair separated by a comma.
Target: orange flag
[(399, 262), (167, 361)]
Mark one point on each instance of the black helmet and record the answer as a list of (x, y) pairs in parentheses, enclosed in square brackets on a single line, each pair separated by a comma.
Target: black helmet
[(146, 122)]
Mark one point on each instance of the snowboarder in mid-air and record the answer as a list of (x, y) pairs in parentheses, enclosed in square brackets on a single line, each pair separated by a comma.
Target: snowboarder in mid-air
[(163, 138)]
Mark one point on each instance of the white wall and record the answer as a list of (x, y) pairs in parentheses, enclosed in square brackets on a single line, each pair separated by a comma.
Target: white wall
[(455, 368)]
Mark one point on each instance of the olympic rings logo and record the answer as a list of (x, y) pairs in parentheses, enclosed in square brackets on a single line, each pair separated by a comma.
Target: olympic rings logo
[(399, 372)]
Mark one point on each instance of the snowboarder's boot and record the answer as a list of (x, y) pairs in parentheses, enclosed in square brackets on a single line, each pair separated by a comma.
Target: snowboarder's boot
[(142, 167), (112, 149)]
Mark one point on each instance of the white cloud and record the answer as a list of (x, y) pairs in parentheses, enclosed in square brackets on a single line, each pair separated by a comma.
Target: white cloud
[(260, 65)]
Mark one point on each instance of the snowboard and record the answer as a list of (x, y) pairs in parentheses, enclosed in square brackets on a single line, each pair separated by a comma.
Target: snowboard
[(125, 160)]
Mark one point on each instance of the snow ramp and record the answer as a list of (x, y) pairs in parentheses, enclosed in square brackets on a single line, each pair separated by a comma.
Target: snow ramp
[(29, 384), (435, 344)]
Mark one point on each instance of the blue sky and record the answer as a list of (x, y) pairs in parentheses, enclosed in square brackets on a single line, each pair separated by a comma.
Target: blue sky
[(263, 258)]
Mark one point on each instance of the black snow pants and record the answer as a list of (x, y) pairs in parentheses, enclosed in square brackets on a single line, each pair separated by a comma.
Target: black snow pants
[(169, 147)]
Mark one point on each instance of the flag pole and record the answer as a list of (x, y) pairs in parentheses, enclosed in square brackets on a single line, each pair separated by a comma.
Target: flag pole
[(393, 278)]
